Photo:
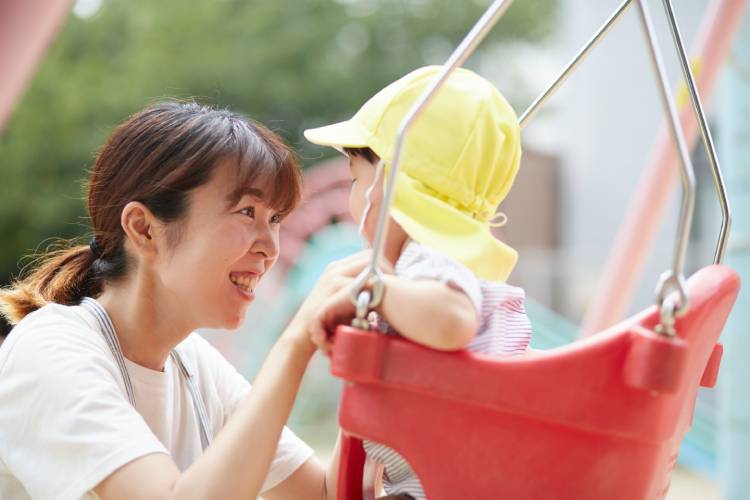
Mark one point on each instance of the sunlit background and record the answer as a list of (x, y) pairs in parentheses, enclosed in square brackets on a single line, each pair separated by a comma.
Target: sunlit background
[(295, 64)]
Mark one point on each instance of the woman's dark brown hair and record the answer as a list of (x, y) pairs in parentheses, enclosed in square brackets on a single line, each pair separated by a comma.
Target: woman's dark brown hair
[(158, 156)]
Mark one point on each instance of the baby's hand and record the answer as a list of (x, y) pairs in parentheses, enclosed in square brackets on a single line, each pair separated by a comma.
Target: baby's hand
[(336, 310)]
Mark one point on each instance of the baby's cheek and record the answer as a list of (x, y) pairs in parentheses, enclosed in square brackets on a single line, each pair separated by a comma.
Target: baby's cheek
[(356, 205), (371, 226)]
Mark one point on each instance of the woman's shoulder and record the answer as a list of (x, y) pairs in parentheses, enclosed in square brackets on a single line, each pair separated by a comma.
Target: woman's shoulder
[(201, 357), (54, 326)]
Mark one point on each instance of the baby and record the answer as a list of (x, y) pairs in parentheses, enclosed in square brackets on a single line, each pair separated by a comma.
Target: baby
[(447, 290)]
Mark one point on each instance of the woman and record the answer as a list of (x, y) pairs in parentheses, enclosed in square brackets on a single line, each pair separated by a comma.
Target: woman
[(104, 390)]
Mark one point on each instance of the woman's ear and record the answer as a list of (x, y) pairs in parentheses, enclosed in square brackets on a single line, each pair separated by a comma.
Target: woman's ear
[(139, 223)]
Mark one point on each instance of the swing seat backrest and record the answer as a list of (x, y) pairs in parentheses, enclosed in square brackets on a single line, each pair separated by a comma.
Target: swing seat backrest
[(600, 418)]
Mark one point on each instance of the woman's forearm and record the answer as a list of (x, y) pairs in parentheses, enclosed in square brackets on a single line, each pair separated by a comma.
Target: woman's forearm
[(237, 462)]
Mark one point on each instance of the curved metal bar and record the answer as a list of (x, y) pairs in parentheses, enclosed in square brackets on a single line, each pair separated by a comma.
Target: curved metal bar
[(467, 46), (674, 277), (708, 142), (573, 64)]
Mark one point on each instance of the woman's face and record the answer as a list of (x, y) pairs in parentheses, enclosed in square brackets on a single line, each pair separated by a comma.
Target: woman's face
[(222, 252)]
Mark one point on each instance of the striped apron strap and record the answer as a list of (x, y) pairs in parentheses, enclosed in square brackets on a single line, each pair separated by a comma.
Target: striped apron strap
[(108, 332), (200, 408)]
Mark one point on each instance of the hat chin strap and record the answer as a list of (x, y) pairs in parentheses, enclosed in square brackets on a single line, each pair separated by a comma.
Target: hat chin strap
[(368, 205), (498, 220)]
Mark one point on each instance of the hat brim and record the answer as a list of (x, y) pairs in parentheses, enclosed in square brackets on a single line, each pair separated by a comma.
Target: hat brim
[(432, 222), (347, 134)]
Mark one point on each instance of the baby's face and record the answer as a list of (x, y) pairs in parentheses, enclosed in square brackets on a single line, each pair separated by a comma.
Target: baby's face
[(363, 175)]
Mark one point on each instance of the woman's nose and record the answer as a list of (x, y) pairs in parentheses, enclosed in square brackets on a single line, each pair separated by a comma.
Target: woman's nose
[(266, 242)]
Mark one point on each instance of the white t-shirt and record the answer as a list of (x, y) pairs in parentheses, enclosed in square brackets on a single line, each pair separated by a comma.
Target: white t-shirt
[(65, 420)]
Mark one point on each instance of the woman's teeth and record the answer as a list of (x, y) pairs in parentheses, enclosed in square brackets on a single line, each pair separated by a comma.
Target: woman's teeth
[(246, 282)]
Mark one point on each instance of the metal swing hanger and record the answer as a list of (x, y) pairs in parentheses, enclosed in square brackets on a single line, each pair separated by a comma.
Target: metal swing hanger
[(368, 288)]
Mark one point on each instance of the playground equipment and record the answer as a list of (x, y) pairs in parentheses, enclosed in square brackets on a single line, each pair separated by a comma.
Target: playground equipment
[(26, 30), (643, 216), (603, 417)]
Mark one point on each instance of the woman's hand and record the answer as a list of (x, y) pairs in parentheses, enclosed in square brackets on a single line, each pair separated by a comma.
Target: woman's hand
[(329, 302), (336, 310)]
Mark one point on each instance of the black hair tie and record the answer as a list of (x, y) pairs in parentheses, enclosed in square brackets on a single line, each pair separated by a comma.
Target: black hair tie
[(95, 248)]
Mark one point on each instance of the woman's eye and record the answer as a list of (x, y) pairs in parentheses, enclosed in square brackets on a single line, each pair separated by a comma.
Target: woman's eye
[(276, 219), (249, 211)]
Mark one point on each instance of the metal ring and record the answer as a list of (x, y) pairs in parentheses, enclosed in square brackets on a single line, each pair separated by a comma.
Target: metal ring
[(668, 283), (372, 279), (668, 317), (670, 306), (360, 320)]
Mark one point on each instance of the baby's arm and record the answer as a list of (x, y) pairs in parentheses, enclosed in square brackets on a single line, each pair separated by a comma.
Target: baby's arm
[(429, 312)]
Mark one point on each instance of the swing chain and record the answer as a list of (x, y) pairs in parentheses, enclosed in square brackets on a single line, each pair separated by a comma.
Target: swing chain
[(670, 306)]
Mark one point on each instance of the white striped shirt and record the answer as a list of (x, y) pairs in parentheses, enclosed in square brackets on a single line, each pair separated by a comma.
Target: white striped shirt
[(504, 330)]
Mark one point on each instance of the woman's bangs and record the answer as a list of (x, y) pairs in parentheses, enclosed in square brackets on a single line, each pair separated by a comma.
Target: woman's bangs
[(265, 164)]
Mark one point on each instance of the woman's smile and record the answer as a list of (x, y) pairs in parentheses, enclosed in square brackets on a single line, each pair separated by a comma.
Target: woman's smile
[(245, 282)]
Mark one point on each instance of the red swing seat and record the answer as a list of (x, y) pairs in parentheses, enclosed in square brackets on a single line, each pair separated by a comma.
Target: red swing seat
[(600, 418)]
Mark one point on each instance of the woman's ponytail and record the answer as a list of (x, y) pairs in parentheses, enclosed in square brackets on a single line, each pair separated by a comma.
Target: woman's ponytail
[(63, 276)]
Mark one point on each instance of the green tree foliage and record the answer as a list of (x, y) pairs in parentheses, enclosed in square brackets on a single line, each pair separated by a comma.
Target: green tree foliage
[(288, 63)]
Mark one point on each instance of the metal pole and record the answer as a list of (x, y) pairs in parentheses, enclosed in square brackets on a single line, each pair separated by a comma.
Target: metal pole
[(459, 56), (644, 213), (708, 142), (456, 59), (573, 64), (687, 175)]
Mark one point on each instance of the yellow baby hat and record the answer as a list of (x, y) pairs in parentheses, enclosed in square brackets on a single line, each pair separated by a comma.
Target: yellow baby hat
[(459, 162)]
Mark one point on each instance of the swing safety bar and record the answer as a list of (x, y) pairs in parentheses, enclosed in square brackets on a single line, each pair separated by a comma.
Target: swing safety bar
[(720, 25), (671, 280)]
